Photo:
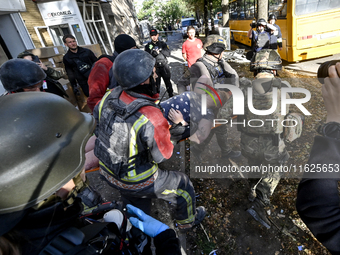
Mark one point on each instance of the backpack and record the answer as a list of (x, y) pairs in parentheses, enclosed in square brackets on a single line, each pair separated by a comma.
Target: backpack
[(97, 238), (118, 161), (263, 101)]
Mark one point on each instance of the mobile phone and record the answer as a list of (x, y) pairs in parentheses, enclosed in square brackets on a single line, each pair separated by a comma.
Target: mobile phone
[(35, 59)]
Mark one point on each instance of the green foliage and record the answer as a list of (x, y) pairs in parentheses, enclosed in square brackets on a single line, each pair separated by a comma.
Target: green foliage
[(163, 13), (147, 10), (199, 4), (173, 10)]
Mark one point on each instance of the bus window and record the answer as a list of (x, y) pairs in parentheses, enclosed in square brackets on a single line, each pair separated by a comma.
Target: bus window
[(279, 8), (303, 7)]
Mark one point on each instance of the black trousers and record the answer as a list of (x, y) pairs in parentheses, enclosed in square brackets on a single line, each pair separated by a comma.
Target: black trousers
[(164, 72)]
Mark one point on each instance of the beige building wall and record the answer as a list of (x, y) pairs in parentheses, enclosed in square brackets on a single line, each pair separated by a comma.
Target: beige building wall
[(121, 18), (32, 18)]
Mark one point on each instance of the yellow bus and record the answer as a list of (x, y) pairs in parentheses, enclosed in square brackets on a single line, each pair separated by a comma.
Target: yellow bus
[(310, 28)]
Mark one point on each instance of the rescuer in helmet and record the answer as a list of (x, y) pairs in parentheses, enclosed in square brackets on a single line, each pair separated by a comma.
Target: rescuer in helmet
[(21, 75), (218, 71), (263, 140), (42, 157), (133, 136), (50, 84)]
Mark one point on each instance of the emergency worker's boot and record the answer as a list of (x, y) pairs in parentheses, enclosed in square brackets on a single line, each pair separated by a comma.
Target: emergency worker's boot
[(258, 212), (199, 216)]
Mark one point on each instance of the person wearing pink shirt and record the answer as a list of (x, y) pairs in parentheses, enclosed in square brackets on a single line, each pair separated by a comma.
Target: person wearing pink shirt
[(192, 47)]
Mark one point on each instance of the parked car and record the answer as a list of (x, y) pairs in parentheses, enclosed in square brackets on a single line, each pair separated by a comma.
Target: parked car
[(189, 22), (217, 24)]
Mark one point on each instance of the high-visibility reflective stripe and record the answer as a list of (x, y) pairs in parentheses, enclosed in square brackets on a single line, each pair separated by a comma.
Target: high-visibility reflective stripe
[(187, 197), (133, 140), (102, 102), (133, 149), (136, 178)]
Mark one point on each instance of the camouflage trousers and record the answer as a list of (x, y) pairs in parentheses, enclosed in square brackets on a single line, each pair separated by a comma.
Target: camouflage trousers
[(183, 81), (261, 151)]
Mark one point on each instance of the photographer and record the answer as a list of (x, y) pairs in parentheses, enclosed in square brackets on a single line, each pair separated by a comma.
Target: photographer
[(42, 214), (261, 37), (318, 201), (51, 84)]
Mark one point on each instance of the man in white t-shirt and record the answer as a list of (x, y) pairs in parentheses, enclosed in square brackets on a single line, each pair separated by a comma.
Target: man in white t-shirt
[(192, 47)]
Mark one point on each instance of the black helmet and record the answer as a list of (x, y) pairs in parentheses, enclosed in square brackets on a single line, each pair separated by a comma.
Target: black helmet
[(214, 44), (261, 22), (132, 67), (272, 16), (19, 73), (42, 147), (24, 54), (266, 59)]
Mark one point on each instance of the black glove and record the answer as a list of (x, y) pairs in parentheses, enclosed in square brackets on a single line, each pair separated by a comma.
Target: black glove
[(154, 53)]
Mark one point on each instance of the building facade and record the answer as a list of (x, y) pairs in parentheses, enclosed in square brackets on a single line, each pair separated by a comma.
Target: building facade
[(29, 24)]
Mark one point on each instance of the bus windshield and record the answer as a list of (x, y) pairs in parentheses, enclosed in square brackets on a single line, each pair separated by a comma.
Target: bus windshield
[(311, 6)]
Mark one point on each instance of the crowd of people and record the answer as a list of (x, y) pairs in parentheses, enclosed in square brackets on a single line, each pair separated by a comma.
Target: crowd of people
[(130, 132)]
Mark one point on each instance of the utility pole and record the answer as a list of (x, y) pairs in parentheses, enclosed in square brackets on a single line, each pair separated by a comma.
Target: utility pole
[(212, 18), (263, 9), (225, 13)]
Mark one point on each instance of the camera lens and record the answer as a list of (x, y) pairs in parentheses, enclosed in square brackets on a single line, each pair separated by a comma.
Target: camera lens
[(323, 70)]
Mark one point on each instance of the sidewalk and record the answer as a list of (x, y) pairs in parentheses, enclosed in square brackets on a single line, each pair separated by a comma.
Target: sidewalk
[(310, 66)]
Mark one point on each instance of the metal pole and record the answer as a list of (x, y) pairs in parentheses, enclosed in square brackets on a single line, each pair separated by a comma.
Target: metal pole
[(39, 36), (91, 29), (85, 22), (106, 30), (100, 38)]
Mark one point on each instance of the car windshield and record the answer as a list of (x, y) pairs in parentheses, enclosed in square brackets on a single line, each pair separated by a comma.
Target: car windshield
[(216, 21), (186, 23)]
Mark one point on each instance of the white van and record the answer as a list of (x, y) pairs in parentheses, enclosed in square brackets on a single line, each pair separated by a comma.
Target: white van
[(189, 22)]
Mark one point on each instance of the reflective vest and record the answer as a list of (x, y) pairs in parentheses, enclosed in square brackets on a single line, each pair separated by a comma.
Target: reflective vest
[(119, 147), (217, 72)]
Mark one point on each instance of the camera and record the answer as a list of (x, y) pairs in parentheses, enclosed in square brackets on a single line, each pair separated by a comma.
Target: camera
[(35, 59), (323, 69), (253, 24)]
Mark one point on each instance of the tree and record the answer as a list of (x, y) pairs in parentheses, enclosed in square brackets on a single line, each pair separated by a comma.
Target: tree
[(204, 6), (172, 11), (263, 9), (225, 13), (147, 11), (163, 13)]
